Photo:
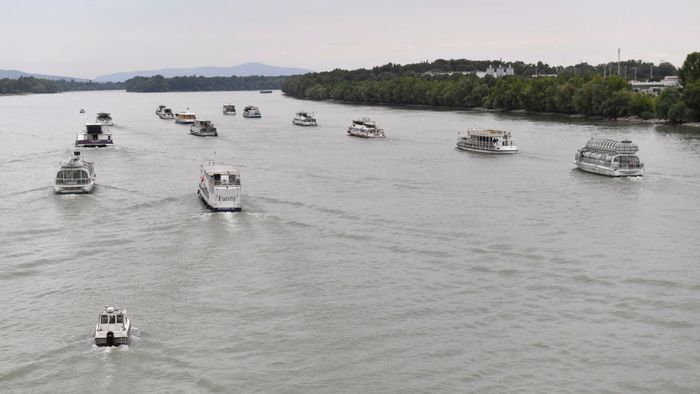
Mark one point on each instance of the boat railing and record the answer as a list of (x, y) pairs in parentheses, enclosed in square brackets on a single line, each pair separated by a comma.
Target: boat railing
[(72, 181)]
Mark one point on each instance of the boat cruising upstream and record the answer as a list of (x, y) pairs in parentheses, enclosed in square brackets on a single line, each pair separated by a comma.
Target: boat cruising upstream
[(185, 117), (93, 137), (365, 128), (75, 176), (488, 141), (165, 113), (113, 327), (303, 118), (104, 118), (203, 128), (609, 157), (251, 111), (220, 187), (229, 109), (265, 91)]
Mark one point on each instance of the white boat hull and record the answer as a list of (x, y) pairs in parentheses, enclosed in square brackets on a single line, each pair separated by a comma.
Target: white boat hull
[(220, 198), (112, 336), (304, 123), (74, 189), (496, 150), (612, 172)]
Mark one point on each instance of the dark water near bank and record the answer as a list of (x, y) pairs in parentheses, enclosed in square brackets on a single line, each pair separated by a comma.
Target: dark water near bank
[(387, 266)]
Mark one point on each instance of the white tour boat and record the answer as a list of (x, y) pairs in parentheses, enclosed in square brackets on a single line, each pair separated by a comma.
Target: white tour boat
[(185, 117), (251, 111), (365, 128), (165, 113), (220, 187), (93, 137), (488, 141), (104, 118), (203, 128), (113, 327), (303, 118), (229, 109), (75, 176), (609, 157)]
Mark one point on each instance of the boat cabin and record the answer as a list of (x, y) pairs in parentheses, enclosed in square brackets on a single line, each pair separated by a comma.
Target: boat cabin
[(75, 172), (221, 175)]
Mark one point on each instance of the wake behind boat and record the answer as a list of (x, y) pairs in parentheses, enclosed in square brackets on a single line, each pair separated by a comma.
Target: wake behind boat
[(94, 136), (486, 141), (609, 157), (220, 187), (75, 176), (365, 128)]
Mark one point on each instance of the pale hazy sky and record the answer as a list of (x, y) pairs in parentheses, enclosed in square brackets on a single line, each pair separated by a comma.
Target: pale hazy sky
[(87, 38)]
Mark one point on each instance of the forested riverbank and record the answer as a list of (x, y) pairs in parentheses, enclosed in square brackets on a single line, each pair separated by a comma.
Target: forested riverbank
[(159, 83), (24, 85), (573, 90)]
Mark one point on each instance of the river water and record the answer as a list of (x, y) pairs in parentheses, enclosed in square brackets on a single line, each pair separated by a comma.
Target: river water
[(379, 266)]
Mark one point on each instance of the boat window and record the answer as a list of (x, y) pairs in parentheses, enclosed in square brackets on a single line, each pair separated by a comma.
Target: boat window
[(111, 320), (103, 319), (120, 319)]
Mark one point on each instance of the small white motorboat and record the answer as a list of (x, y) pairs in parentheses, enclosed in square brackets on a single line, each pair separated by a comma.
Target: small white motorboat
[(185, 117), (203, 128), (251, 111), (229, 109), (104, 118), (365, 128), (165, 113), (113, 327)]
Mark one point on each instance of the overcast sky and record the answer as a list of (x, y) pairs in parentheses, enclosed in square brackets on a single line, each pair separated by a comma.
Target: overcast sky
[(87, 38)]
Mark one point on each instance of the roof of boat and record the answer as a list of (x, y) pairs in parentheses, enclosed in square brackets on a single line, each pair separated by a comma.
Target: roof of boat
[(185, 112), (488, 132), (212, 168), (610, 145), (103, 114)]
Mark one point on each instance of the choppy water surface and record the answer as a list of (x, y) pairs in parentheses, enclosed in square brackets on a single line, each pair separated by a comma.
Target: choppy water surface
[(396, 265)]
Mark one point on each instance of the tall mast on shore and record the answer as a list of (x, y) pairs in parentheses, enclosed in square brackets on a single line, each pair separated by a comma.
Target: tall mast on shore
[(618, 62)]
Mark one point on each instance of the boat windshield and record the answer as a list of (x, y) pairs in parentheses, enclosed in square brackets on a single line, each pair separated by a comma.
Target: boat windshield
[(226, 180), (72, 177), (103, 319)]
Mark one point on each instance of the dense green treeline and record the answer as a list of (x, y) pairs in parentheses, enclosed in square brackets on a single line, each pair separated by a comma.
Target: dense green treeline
[(37, 85), (200, 84), (584, 92)]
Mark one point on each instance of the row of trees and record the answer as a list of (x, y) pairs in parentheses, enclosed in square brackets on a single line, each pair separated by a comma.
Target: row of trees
[(198, 84), (567, 93), (37, 85)]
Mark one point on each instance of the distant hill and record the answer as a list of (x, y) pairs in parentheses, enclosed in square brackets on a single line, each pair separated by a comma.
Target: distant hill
[(241, 70), (15, 74)]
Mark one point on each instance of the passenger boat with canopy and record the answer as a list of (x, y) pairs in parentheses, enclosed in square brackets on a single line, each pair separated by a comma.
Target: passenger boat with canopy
[(303, 118), (113, 327), (365, 128), (609, 157), (75, 176), (93, 137), (487, 141), (220, 186)]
